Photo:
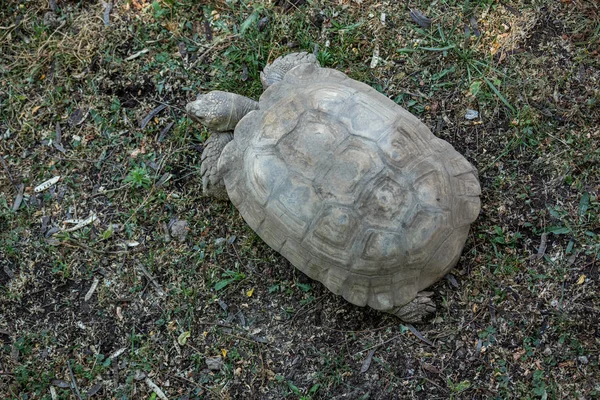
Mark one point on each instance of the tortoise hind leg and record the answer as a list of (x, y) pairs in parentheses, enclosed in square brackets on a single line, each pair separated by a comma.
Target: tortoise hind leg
[(416, 310), (212, 179), (275, 71)]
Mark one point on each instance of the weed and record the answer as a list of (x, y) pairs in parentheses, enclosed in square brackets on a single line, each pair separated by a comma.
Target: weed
[(138, 177)]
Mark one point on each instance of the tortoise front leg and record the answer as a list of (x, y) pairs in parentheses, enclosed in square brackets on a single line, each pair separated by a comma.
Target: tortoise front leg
[(212, 180)]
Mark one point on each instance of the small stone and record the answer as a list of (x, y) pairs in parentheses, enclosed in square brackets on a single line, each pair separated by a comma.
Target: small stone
[(220, 241), (547, 351), (471, 114), (139, 375), (214, 363), (179, 230), (583, 359)]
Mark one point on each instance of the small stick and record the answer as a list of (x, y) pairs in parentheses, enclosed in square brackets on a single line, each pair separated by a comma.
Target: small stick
[(73, 382), (159, 289), (74, 244), (10, 177)]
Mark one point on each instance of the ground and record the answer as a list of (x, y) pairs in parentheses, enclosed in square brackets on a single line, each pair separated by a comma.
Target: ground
[(162, 293)]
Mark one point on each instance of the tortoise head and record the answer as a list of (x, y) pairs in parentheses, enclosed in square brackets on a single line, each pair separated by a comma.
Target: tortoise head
[(212, 110), (220, 111)]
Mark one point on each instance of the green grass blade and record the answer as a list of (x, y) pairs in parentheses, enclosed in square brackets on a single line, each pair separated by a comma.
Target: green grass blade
[(497, 92)]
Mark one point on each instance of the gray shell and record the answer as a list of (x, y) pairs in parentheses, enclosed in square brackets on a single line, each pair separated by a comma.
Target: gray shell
[(351, 188)]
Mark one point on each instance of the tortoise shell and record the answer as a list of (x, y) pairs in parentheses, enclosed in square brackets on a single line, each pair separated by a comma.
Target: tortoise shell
[(351, 188)]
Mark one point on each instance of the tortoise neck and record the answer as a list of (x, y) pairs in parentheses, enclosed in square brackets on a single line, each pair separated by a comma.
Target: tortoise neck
[(240, 106)]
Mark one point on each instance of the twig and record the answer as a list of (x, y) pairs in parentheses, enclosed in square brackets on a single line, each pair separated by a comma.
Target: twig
[(377, 345), (47, 42), (263, 372), (246, 339), (10, 177), (159, 289), (74, 386), (112, 190), (362, 331), (169, 105), (435, 384), (72, 243), (214, 323), (187, 380), (313, 303)]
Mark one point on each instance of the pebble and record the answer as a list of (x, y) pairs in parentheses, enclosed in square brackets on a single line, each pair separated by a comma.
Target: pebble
[(214, 363), (179, 230), (547, 351)]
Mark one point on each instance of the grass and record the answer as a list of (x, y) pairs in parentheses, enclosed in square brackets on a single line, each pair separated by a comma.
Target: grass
[(125, 300)]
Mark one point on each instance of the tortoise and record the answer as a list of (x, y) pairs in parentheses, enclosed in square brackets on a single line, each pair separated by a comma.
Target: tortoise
[(348, 186)]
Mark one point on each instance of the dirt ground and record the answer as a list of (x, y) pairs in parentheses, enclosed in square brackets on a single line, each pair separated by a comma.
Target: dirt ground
[(118, 280)]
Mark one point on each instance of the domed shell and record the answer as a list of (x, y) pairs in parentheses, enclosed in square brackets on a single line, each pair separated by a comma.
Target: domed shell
[(351, 188)]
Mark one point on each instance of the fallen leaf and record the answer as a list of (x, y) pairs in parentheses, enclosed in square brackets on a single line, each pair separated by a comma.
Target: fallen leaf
[(19, 198), (80, 223), (151, 115), (182, 339), (164, 132), (431, 368), (567, 364), (92, 289), (250, 292), (45, 185), (224, 353), (542, 248), (78, 116), (94, 389), (161, 395), (421, 19), (367, 363), (518, 354), (135, 153), (476, 30), (419, 335), (581, 279), (60, 383)]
